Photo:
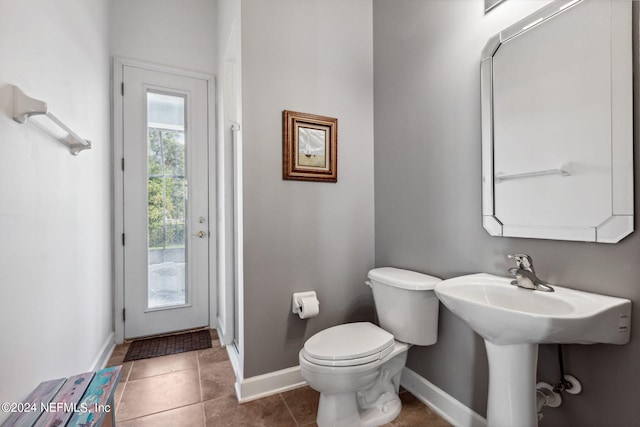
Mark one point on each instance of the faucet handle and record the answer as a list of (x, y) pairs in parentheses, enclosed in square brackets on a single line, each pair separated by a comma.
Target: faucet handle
[(522, 261)]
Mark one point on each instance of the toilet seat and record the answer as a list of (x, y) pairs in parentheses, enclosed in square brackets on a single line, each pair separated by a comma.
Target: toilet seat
[(350, 344)]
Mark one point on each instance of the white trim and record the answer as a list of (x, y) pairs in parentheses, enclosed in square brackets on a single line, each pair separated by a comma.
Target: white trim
[(232, 352), (213, 201), (129, 62), (269, 384), (118, 182), (118, 199), (229, 201), (235, 364), (441, 402), (104, 354)]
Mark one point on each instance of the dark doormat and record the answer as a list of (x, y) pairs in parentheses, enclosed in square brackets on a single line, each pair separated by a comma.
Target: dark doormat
[(171, 344)]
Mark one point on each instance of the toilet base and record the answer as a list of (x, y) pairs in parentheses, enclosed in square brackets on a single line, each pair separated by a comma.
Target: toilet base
[(342, 410), (372, 406)]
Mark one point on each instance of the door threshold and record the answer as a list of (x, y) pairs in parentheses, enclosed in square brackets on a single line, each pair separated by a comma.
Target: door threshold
[(168, 334)]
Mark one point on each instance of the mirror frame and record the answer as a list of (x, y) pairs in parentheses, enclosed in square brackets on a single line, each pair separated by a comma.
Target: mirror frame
[(620, 223), (490, 4)]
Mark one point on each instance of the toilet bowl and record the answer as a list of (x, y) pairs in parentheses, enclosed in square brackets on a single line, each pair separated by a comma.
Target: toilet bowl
[(356, 367)]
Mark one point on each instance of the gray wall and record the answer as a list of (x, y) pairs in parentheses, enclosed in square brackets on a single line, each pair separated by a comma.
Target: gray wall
[(177, 34), (312, 56), (56, 280), (428, 206)]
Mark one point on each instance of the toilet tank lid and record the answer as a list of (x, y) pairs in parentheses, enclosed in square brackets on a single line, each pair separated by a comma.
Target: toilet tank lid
[(404, 279)]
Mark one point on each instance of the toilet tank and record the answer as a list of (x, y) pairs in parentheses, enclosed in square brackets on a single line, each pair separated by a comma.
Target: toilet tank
[(406, 304)]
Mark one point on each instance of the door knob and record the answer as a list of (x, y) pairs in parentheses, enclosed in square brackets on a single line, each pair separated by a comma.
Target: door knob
[(201, 234)]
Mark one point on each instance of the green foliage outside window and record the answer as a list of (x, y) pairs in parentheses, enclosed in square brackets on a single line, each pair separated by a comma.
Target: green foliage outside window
[(167, 188)]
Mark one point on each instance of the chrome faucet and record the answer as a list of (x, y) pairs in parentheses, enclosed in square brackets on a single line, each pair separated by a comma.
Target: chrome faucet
[(526, 275)]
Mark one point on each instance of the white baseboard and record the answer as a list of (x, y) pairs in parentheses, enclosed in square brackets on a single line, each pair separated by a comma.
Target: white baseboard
[(444, 404), (234, 358), (104, 354), (268, 384)]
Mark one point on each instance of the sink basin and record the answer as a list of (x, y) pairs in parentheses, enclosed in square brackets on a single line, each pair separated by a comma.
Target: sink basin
[(513, 321), (506, 314)]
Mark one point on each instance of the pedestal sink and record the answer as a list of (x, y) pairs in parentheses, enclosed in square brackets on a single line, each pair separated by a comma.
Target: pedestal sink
[(513, 321)]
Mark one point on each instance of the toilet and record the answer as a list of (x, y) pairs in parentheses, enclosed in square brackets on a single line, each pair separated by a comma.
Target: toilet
[(356, 367)]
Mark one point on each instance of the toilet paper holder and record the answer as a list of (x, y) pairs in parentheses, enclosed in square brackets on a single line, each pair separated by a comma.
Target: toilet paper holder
[(296, 300)]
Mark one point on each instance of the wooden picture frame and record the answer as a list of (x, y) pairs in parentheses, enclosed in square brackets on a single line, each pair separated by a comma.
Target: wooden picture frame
[(309, 147)]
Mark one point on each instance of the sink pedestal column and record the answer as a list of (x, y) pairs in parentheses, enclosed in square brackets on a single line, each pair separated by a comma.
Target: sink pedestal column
[(512, 385)]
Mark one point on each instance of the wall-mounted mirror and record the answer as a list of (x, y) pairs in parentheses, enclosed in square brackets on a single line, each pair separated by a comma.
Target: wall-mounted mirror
[(557, 140)]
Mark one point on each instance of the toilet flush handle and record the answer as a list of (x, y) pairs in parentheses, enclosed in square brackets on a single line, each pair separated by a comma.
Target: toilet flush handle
[(368, 283)]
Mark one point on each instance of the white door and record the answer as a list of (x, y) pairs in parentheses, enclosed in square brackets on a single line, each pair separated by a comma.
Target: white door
[(166, 220)]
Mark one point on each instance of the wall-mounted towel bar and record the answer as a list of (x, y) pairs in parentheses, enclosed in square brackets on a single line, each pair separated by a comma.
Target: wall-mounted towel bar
[(25, 107), (562, 170)]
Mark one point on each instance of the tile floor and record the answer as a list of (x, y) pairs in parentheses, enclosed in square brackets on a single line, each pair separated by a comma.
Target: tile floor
[(197, 389)]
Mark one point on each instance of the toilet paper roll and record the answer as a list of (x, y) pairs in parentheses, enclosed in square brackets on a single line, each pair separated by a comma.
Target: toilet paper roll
[(309, 307)]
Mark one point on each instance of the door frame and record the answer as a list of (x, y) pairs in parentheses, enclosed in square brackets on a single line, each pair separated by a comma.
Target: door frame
[(118, 184)]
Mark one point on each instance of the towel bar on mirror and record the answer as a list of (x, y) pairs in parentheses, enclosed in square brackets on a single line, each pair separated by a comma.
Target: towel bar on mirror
[(24, 107), (562, 170)]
